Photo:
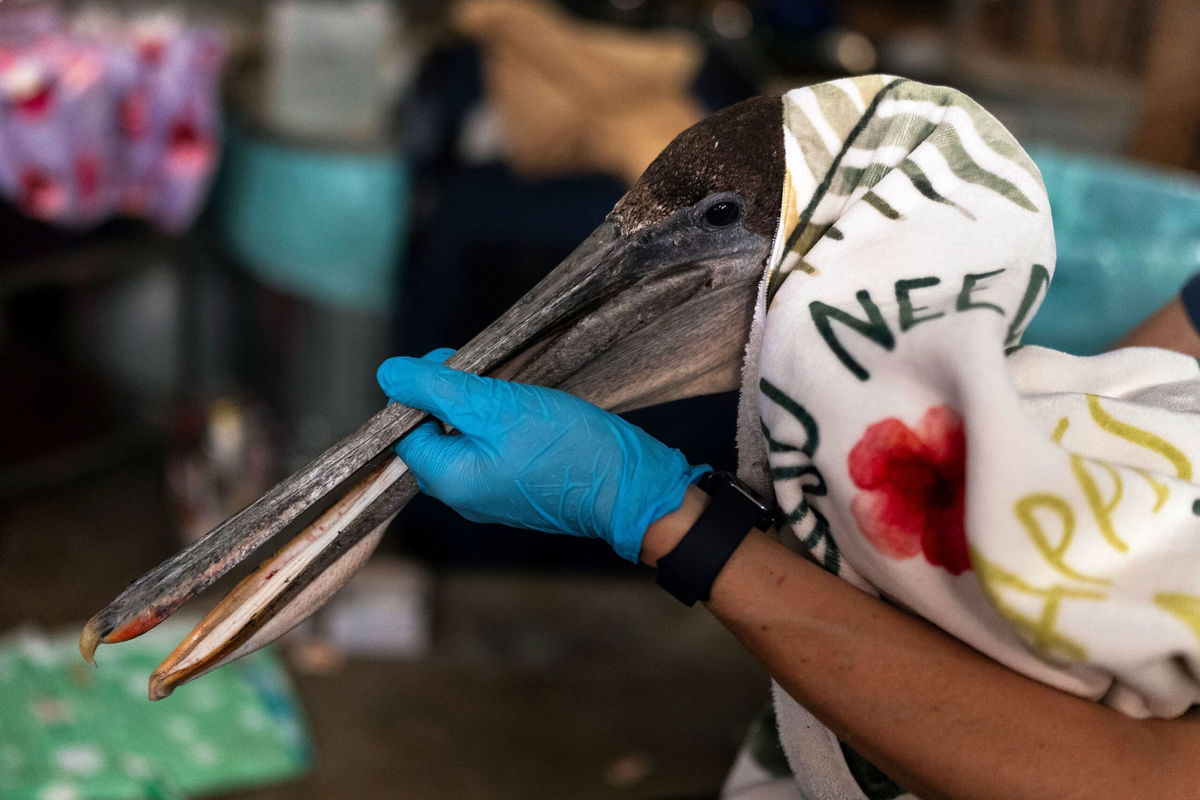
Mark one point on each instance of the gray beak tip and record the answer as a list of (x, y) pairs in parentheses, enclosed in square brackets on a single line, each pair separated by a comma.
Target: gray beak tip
[(89, 639), (159, 688)]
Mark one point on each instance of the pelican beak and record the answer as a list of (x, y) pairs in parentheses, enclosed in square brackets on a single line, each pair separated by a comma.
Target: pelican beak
[(629, 319)]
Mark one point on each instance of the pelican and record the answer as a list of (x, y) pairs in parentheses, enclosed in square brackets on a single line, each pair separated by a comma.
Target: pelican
[(655, 305)]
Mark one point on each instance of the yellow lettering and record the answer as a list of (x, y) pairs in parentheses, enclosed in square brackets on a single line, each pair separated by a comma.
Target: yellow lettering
[(1146, 439), (1161, 492), (1041, 631), (1185, 607), (1101, 510), (1053, 553)]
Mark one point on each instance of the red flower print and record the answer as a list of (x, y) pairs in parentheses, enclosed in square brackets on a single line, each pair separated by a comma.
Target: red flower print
[(81, 71), (28, 87), (134, 113), (151, 49), (87, 176), (39, 195), (914, 484), (37, 103), (188, 150)]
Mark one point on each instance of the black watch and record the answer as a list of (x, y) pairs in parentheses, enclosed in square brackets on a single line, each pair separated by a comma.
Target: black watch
[(689, 571)]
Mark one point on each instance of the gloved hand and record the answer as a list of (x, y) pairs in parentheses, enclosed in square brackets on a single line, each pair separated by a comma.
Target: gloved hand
[(532, 457)]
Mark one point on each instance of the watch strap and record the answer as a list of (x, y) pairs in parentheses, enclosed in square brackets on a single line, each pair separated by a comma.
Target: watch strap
[(690, 569)]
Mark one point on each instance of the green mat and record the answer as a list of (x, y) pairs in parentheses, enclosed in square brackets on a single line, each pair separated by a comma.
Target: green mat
[(69, 731)]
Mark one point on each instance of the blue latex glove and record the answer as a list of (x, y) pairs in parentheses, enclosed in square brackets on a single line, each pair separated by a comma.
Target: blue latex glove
[(532, 457)]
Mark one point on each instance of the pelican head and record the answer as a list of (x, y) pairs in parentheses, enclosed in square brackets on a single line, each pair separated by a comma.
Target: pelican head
[(654, 305)]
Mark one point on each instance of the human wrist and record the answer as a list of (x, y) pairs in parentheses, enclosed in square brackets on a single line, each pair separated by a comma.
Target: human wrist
[(664, 533)]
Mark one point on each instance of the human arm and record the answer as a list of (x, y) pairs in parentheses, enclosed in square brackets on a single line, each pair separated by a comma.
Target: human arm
[(934, 714), (1169, 328), (937, 716), (1173, 326)]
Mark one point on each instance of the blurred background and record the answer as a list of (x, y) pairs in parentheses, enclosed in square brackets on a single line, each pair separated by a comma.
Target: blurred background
[(217, 218)]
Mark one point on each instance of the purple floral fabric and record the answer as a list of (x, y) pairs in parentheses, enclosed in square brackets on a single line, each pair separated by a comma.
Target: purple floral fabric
[(115, 119)]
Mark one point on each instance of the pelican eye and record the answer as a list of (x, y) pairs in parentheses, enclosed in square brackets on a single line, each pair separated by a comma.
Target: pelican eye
[(722, 214)]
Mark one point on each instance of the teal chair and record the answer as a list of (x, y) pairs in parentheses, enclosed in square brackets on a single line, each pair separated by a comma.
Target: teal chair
[(1128, 238), (322, 224)]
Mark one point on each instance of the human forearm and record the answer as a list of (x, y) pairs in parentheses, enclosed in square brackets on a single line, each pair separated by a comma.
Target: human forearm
[(934, 714), (1169, 328)]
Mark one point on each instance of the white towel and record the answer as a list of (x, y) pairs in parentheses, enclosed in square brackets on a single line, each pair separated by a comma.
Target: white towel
[(1038, 506)]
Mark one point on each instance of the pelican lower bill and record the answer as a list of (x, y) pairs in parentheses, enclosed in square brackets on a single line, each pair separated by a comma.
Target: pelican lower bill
[(237, 623)]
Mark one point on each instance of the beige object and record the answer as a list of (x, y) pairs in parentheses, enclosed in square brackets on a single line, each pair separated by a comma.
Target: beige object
[(577, 96)]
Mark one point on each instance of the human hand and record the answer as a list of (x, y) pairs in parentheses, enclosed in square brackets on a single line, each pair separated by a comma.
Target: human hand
[(532, 457)]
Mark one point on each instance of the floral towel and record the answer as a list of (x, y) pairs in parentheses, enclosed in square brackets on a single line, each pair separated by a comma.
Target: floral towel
[(1038, 506), (107, 117)]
